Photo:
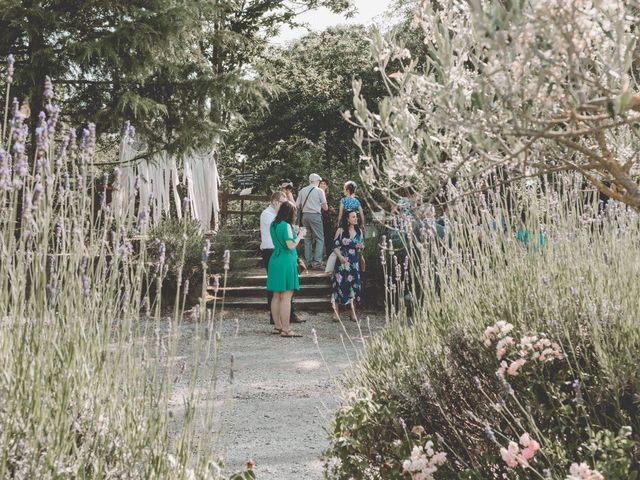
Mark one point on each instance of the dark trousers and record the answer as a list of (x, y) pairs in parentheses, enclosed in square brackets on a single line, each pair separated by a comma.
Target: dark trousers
[(266, 255), (329, 232)]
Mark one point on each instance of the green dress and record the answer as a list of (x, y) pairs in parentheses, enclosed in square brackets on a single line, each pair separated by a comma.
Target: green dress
[(282, 272)]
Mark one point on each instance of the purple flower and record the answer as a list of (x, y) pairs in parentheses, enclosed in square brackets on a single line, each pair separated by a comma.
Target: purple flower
[(142, 218), (126, 248), (128, 130), (62, 150), (350, 278), (345, 241), (42, 135), (37, 193), (205, 251), (54, 115), (88, 142), (227, 259), (216, 283), (48, 88), (163, 251), (352, 251), (86, 285), (5, 170), (10, 61)]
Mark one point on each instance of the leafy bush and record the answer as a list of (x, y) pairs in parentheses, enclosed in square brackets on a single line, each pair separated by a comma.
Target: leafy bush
[(374, 276), (181, 242), (523, 363)]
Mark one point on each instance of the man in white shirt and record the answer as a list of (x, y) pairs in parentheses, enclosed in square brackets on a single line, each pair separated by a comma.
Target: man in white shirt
[(267, 217), (311, 202)]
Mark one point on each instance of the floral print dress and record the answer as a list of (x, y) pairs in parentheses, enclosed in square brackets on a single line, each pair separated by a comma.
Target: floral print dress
[(347, 284)]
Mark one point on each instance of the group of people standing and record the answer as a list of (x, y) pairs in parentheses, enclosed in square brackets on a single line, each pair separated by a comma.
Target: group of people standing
[(289, 220)]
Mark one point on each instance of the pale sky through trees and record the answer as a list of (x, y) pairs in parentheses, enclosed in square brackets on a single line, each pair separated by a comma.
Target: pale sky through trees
[(369, 11)]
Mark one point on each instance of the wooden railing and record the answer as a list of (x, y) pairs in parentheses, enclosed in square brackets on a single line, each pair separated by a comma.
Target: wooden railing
[(226, 212)]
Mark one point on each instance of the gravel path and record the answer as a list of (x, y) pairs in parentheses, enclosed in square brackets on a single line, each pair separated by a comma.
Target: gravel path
[(276, 397)]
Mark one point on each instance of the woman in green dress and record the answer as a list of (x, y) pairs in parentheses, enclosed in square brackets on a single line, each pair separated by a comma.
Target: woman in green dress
[(282, 273)]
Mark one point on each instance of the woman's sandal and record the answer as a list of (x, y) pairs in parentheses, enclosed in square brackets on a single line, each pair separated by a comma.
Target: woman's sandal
[(290, 334), (276, 331)]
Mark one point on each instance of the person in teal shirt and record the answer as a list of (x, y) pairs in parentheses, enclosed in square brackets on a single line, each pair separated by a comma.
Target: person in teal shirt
[(282, 272), (526, 238)]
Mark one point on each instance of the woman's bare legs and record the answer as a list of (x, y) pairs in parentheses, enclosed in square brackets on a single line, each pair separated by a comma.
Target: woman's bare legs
[(275, 309), (336, 312), (285, 309), (353, 315)]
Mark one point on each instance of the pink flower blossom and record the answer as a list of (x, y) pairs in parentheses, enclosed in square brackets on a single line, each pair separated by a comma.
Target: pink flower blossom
[(512, 455), (515, 365), (509, 455), (502, 346), (583, 472)]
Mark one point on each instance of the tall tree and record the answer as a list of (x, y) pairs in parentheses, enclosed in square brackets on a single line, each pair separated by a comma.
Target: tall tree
[(303, 129), (509, 89), (175, 67)]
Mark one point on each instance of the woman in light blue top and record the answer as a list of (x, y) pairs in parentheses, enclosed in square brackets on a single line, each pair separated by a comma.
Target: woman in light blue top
[(349, 203)]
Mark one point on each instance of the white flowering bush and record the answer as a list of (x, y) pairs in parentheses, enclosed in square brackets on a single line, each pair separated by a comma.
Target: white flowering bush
[(86, 359), (506, 90), (518, 362), (423, 462)]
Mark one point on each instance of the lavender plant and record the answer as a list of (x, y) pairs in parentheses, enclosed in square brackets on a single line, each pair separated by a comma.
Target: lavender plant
[(520, 361), (85, 377)]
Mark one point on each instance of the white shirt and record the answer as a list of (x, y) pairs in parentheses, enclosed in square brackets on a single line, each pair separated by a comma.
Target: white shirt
[(267, 217)]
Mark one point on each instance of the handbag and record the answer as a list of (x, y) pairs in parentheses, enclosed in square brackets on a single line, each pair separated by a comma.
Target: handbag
[(302, 267), (331, 263)]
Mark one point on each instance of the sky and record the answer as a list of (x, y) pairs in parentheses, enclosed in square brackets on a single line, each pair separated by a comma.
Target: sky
[(369, 11)]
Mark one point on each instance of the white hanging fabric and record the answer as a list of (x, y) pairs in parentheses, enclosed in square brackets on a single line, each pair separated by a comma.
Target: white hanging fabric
[(201, 177), (154, 181)]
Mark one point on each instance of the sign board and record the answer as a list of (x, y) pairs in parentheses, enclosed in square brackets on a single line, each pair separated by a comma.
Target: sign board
[(245, 180)]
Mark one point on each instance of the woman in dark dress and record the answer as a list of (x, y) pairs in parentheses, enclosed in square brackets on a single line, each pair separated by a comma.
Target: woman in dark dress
[(347, 285)]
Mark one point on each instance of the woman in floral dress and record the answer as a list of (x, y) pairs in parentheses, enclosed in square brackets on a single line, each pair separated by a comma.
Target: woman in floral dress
[(350, 202), (347, 284)]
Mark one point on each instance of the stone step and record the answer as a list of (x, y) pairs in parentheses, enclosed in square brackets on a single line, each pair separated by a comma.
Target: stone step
[(258, 277), (260, 290), (247, 262), (260, 303)]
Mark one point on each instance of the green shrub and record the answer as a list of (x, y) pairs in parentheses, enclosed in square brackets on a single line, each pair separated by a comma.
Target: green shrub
[(183, 242), (578, 404)]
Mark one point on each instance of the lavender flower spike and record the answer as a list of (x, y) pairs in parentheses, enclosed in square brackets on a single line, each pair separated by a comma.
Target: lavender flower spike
[(227, 259), (205, 251), (48, 88), (10, 61)]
